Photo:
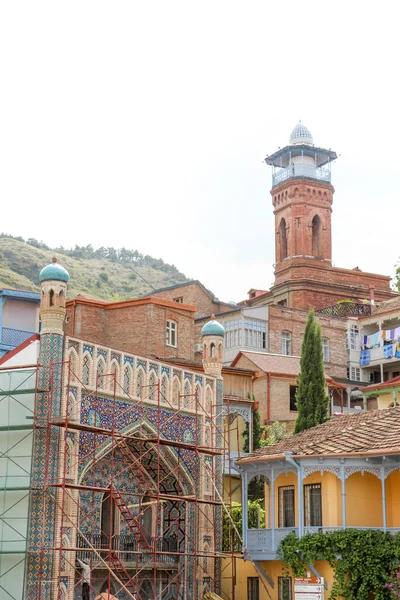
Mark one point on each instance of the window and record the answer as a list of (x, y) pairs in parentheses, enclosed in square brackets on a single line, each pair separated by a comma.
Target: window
[(100, 373), (283, 240), (325, 349), (286, 506), (127, 379), (233, 333), (180, 299), (293, 401), (353, 338), (286, 338), (282, 303), (253, 588), (255, 334), (284, 588), (86, 370), (316, 236), (312, 505), (170, 338), (355, 374)]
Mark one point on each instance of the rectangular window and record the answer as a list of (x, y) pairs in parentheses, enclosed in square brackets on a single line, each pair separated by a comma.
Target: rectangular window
[(171, 334), (284, 588), (312, 505), (293, 390), (355, 374), (180, 299), (354, 338), (253, 588), (286, 506), (286, 338), (325, 349)]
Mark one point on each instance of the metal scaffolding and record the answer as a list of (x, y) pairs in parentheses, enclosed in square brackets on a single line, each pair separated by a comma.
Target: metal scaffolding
[(158, 536)]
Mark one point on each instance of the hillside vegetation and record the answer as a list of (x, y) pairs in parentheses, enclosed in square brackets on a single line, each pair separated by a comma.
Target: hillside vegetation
[(107, 273)]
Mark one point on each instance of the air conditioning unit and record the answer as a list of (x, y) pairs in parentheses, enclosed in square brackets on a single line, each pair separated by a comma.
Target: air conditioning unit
[(198, 348)]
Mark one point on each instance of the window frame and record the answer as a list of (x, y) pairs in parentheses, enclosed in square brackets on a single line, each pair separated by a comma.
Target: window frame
[(286, 343), (282, 510), (292, 395), (179, 300), (326, 349), (171, 333), (308, 510), (282, 591), (253, 593)]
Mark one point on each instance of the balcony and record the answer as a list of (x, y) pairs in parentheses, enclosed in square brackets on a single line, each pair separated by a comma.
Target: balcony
[(130, 552), (11, 338), (268, 540), (301, 170)]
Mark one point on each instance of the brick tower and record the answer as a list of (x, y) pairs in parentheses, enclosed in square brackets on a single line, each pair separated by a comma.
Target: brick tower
[(302, 197)]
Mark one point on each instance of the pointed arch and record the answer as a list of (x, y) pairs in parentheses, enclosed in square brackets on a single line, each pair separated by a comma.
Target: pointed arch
[(206, 552), (61, 299), (69, 453), (101, 367), (164, 389), (86, 366), (198, 399), (127, 379), (139, 382), (115, 376), (212, 350), (208, 406), (51, 297), (73, 365), (316, 236), (153, 387), (283, 240), (176, 390), (187, 399)]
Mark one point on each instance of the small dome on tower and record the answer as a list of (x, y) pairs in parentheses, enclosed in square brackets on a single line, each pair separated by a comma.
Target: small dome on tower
[(301, 135), (213, 328), (54, 272)]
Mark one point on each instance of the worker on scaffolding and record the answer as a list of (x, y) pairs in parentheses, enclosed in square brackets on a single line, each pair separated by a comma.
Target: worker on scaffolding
[(85, 579)]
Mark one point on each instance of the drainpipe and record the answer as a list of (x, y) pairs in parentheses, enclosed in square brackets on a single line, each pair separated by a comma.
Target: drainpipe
[(269, 397)]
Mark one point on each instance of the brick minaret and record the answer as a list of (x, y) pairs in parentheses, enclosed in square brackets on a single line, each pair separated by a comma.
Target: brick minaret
[(302, 197)]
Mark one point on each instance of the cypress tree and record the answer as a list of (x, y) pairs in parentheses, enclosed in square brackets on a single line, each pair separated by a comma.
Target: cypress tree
[(311, 398)]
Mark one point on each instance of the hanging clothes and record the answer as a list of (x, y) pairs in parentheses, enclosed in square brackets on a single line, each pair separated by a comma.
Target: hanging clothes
[(388, 351), (365, 357), (397, 354), (374, 340)]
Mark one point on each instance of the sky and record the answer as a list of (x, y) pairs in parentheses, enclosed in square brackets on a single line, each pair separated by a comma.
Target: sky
[(145, 124)]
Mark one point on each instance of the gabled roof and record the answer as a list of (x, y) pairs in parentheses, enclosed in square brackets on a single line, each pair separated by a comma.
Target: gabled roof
[(15, 351), (272, 363), (184, 284), (128, 303), (374, 432)]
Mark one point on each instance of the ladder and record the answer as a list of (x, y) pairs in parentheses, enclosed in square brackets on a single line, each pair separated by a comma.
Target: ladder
[(130, 519)]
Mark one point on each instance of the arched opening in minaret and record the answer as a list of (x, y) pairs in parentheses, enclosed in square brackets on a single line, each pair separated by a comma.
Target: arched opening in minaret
[(212, 350), (316, 236), (283, 240), (51, 298)]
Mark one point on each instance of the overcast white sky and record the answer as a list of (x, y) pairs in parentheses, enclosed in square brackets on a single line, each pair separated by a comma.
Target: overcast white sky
[(144, 124)]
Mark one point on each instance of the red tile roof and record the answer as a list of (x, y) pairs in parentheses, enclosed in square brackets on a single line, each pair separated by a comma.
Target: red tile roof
[(374, 432), (395, 381)]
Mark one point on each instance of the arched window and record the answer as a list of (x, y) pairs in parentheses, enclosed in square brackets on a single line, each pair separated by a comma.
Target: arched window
[(316, 236), (283, 240), (164, 389), (220, 352), (286, 337), (198, 398), (86, 370), (61, 296), (51, 298), (101, 367), (127, 379), (152, 387), (176, 391), (68, 457), (187, 390), (139, 383), (212, 350)]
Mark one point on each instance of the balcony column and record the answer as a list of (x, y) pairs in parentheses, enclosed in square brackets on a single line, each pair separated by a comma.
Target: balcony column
[(343, 481), (245, 518), (272, 509), (383, 484)]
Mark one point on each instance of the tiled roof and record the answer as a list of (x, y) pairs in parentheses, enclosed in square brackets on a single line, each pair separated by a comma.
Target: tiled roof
[(272, 363), (395, 381), (387, 305), (372, 432)]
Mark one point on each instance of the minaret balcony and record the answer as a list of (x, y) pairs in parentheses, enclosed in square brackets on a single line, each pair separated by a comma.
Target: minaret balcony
[(301, 171)]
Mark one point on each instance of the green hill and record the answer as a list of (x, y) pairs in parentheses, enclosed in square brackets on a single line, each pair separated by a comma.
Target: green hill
[(105, 273)]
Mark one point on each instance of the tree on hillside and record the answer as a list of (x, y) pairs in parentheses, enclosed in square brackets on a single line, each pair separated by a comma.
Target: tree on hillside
[(311, 397)]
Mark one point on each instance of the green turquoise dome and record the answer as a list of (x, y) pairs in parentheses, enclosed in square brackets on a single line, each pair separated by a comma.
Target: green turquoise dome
[(54, 272), (213, 328)]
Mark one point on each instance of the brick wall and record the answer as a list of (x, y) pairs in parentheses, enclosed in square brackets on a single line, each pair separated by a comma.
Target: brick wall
[(137, 327), (195, 295), (288, 319)]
